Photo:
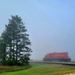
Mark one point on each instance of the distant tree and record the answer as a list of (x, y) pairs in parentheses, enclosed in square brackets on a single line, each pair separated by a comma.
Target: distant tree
[(15, 43)]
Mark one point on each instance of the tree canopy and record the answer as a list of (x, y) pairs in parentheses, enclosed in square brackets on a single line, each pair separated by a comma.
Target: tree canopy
[(14, 43)]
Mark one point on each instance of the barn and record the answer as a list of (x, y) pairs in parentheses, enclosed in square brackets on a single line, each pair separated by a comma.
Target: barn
[(57, 56)]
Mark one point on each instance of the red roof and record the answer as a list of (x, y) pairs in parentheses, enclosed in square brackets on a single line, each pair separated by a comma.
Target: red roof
[(57, 55)]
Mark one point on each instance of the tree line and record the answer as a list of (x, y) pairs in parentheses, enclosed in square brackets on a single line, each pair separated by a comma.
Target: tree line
[(15, 43)]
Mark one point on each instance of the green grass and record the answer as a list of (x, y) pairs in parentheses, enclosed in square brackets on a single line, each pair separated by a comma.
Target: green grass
[(43, 69)]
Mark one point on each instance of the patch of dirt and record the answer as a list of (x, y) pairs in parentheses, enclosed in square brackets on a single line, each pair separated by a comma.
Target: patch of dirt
[(70, 74)]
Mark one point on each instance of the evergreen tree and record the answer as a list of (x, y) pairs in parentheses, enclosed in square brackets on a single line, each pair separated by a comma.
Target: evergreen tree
[(16, 42), (2, 51)]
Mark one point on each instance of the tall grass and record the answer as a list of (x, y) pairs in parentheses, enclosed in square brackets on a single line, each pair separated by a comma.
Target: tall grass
[(12, 68)]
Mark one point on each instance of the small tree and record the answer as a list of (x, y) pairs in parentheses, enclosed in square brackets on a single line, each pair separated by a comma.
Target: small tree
[(15, 43)]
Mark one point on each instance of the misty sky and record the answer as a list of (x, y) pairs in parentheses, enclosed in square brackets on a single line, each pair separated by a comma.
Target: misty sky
[(50, 24)]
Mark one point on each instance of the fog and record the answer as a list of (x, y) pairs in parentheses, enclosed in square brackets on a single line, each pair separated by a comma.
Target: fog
[(50, 24)]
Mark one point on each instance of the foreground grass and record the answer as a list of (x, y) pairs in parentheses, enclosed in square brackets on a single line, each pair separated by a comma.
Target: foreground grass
[(43, 69), (12, 68)]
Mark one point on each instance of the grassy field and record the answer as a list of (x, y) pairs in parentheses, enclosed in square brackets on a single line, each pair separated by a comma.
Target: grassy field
[(44, 69)]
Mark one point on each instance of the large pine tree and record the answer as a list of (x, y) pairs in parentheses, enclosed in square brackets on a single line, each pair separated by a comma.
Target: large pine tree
[(15, 43)]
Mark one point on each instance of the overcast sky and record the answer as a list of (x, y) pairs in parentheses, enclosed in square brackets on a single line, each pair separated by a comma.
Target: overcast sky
[(50, 24)]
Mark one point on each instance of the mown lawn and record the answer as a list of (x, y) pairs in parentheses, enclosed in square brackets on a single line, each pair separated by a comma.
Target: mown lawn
[(43, 69)]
